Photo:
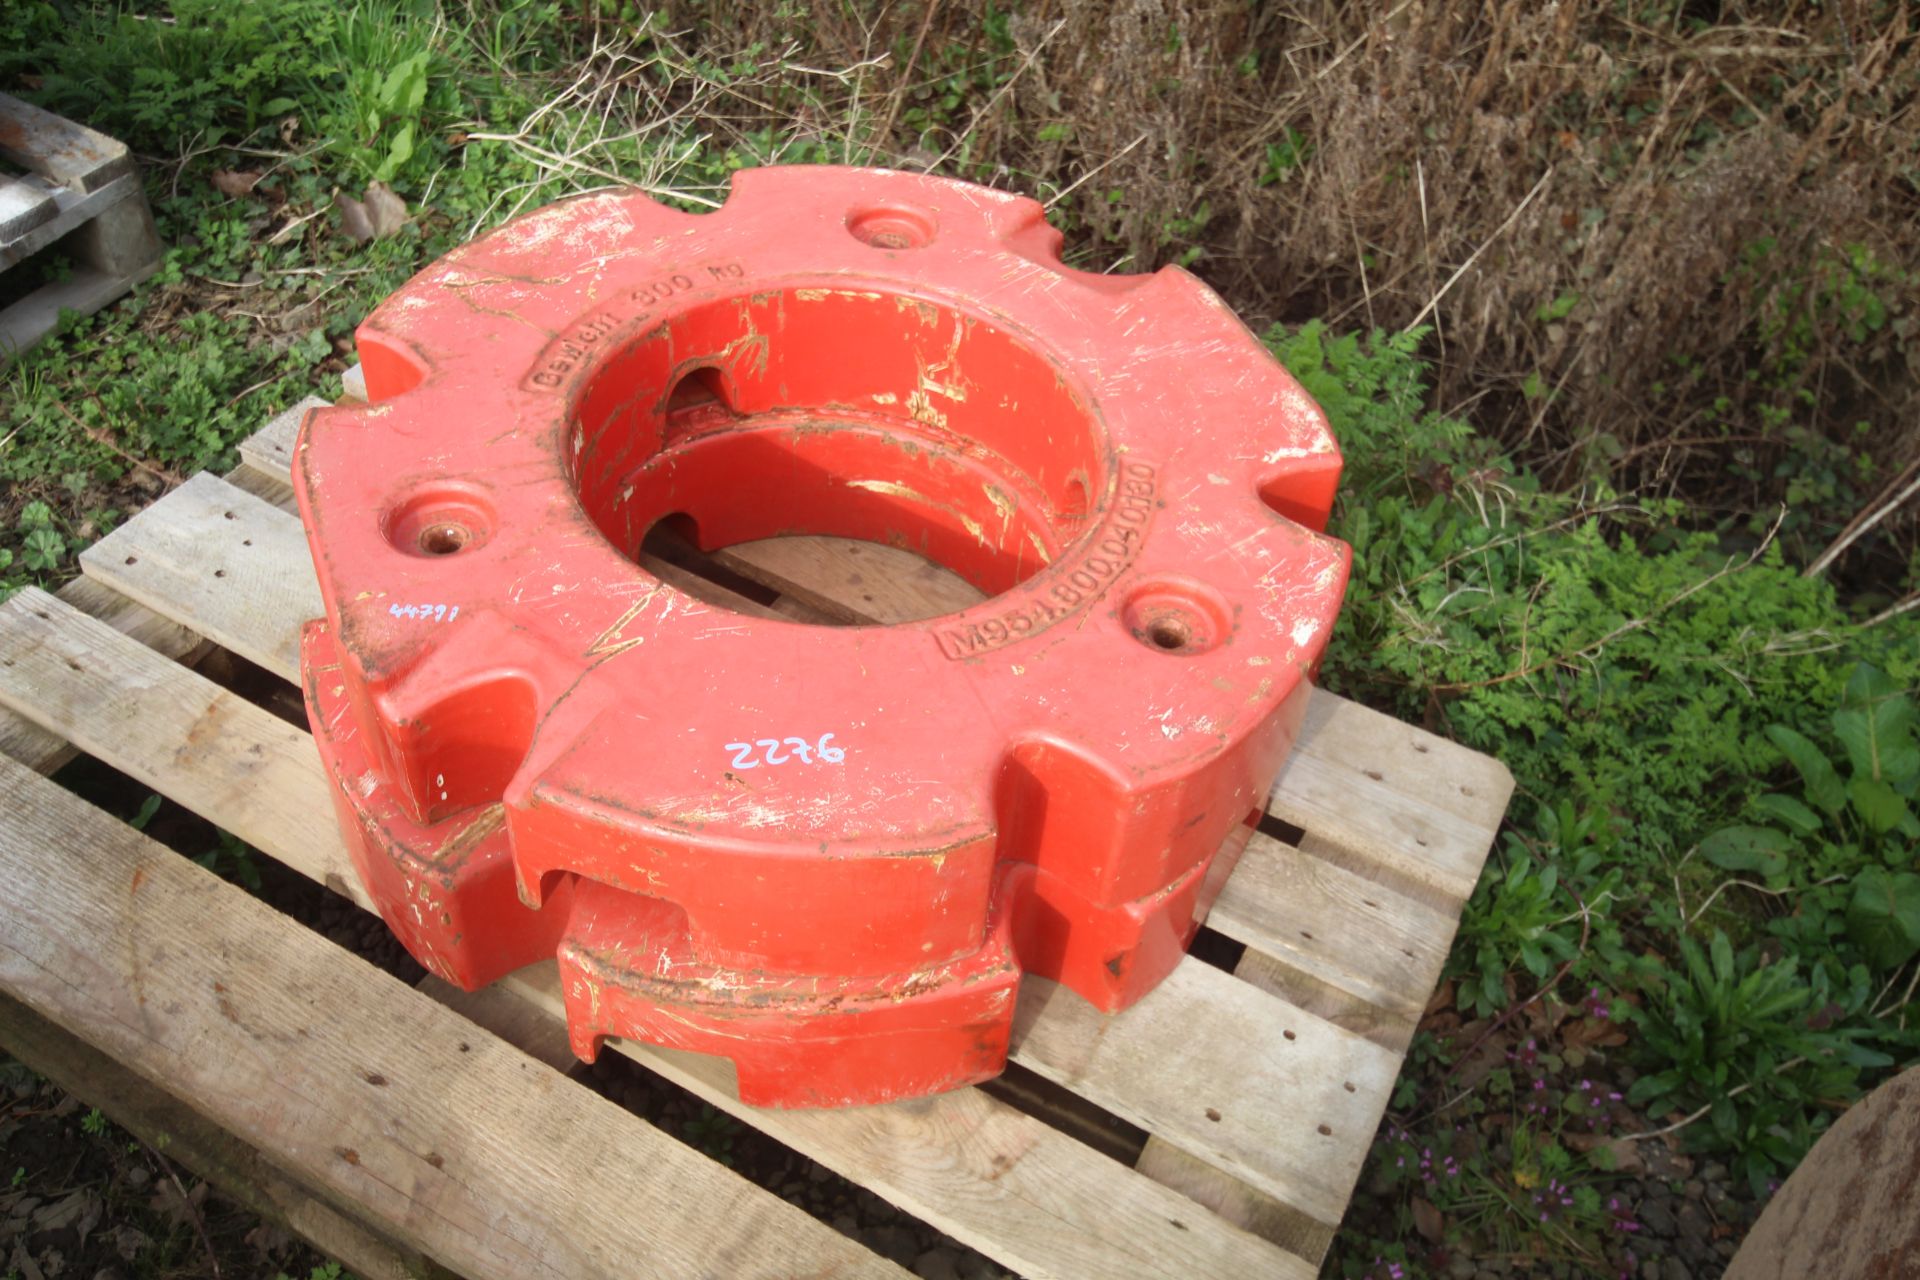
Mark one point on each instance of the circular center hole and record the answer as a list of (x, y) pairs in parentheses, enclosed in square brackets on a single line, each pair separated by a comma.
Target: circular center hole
[(443, 539), (840, 412)]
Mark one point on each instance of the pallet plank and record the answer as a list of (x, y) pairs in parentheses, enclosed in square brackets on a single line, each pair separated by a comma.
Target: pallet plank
[(363, 1086), (25, 203), (228, 584), (71, 212), (187, 1138), (23, 740), (63, 152), (1334, 925), (993, 1178), (1406, 806)]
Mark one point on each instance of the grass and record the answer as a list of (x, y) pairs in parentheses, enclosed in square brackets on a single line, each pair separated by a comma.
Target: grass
[(1584, 499)]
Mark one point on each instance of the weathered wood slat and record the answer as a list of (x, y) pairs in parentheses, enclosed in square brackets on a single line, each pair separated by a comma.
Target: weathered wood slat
[(993, 1178), (66, 154), (1335, 925), (25, 203), (447, 1136), (71, 211), (187, 1138)]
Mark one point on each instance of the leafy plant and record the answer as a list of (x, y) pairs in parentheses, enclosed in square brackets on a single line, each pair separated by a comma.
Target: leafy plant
[(713, 1132), (1843, 848), (1755, 1046), (233, 859), (1527, 913)]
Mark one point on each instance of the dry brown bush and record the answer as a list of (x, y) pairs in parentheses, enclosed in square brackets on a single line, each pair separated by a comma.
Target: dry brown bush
[(1635, 228)]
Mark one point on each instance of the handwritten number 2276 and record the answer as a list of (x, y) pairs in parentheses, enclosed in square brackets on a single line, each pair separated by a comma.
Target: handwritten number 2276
[(774, 751)]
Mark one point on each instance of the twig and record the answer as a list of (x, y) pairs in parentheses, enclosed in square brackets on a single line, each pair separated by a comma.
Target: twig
[(1859, 527), (1757, 888), (1073, 186), (900, 92), (1733, 565), (1498, 231), (186, 1202), (100, 437), (1684, 1121), (994, 101), (1894, 610)]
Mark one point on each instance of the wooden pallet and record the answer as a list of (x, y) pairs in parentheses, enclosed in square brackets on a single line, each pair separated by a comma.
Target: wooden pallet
[(78, 188), (417, 1133)]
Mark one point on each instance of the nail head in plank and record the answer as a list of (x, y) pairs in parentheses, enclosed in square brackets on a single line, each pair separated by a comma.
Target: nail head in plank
[(270, 450), (359, 1083), (1272, 1094)]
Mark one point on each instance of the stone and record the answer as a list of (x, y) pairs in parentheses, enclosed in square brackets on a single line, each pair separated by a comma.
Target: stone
[(1657, 1217), (936, 1264), (897, 1243)]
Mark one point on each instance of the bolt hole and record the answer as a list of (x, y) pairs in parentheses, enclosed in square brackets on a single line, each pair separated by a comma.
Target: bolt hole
[(133, 559), (1169, 634), (228, 514), (1213, 1115), (1326, 1131), (891, 228), (1348, 1086), (219, 573), (1288, 1034), (443, 539)]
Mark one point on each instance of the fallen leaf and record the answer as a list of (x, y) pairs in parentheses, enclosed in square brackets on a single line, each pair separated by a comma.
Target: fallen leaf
[(389, 210), (80, 1211), (22, 1262), (379, 214), (1623, 1154), (236, 182), (166, 1200), (269, 1241), (128, 1241), (1428, 1222), (355, 220)]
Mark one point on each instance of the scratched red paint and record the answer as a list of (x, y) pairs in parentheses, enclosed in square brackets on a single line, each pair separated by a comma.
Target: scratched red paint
[(827, 853)]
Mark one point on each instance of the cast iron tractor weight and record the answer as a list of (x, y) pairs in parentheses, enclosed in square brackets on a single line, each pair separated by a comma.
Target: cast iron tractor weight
[(827, 853)]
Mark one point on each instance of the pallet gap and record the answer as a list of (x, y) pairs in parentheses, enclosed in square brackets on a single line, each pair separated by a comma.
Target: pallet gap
[(1282, 830), (672, 546), (769, 1163), (254, 683), (266, 878), (1217, 949), (1058, 1107)]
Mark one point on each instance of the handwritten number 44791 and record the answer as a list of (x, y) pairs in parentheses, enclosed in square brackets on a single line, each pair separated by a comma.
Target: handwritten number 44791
[(776, 751), (426, 612)]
